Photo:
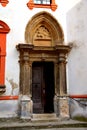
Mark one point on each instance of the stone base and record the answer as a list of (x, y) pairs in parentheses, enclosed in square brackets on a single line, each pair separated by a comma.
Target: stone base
[(61, 106), (64, 107), (56, 105), (26, 106)]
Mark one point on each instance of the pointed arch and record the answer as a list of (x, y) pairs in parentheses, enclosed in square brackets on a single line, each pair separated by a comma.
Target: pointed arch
[(48, 22)]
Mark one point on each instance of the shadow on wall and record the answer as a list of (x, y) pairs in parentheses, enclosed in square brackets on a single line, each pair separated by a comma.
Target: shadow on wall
[(78, 109)]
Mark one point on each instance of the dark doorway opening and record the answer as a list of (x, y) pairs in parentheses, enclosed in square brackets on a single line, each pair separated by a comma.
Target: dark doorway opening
[(43, 87)]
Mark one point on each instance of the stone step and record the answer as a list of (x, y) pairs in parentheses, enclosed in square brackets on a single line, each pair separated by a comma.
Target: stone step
[(18, 124), (47, 117), (53, 115)]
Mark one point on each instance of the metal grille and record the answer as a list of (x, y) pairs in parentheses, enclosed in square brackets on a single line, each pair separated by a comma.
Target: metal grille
[(42, 1)]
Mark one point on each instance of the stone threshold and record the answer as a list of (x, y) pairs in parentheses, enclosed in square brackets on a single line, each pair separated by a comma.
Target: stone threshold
[(44, 117)]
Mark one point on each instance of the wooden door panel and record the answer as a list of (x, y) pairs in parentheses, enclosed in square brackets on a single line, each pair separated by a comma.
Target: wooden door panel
[(37, 75), (37, 89)]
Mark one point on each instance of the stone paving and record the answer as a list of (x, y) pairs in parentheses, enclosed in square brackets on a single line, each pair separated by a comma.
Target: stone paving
[(17, 124), (62, 129)]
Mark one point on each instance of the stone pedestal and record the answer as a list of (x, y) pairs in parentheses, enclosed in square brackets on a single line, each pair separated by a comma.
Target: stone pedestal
[(26, 106), (63, 107)]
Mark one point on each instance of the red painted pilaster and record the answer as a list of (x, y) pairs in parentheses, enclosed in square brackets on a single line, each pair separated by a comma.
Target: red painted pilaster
[(4, 29)]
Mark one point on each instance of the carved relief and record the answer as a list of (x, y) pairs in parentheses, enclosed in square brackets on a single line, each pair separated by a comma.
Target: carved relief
[(42, 33), (43, 27)]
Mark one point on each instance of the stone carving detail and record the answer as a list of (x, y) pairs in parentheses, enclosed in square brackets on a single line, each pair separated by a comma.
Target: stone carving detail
[(42, 33)]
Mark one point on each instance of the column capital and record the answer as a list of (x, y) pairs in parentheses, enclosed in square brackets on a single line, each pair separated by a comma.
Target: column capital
[(62, 58), (24, 57)]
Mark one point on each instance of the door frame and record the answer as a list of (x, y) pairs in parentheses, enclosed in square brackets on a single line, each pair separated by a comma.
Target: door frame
[(50, 48), (57, 55)]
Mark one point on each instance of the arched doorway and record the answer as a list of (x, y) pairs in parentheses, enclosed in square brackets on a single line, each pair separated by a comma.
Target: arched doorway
[(43, 65)]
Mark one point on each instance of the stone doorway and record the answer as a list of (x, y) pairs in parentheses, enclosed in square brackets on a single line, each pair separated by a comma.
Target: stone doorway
[(43, 87), (44, 47)]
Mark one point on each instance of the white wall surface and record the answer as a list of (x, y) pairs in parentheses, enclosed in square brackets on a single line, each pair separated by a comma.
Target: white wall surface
[(77, 34), (16, 14)]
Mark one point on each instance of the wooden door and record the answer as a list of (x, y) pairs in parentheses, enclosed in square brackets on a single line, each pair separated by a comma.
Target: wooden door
[(37, 82)]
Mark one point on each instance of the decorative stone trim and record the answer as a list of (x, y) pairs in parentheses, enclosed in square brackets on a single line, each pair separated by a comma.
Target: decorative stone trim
[(48, 22), (56, 53), (29, 54), (31, 5), (4, 2)]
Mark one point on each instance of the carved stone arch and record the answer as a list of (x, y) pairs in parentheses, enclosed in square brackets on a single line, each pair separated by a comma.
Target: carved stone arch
[(48, 22)]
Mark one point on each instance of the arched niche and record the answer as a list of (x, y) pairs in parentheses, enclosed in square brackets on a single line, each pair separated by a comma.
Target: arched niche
[(44, 30)]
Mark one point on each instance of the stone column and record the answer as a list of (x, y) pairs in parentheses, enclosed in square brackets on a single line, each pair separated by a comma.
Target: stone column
[(25, 86), (63, 97), (62, 74), (57, 89)]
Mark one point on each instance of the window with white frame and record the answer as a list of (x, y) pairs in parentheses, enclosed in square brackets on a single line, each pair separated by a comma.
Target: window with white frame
[(42, 2)]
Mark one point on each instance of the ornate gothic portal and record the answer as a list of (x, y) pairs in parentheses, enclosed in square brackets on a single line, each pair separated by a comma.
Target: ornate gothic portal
[(43, 68)]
